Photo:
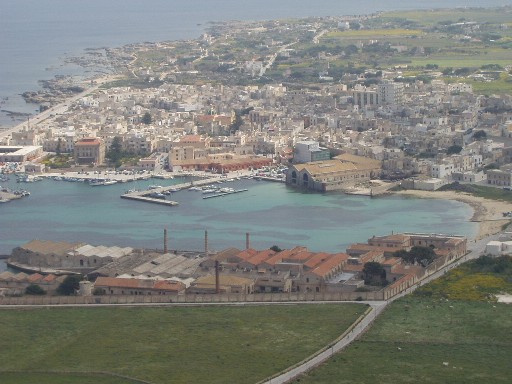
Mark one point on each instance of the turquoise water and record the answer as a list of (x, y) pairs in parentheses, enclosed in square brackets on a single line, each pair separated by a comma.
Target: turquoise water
[(272, 213)]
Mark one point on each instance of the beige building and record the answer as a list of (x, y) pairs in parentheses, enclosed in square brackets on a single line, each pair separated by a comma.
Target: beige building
[(341, 172), (90, 150), (122, 286), (499, 177), (227, 284), (19, 154), (16, 283), (39, 255)]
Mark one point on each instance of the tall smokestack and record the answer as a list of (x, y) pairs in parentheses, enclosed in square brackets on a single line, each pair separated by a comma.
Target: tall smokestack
[(247, 244), (206, 243), (165, 240), (217, 278)]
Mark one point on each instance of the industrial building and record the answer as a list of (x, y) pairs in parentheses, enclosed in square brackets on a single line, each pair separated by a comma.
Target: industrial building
[(341, 172)]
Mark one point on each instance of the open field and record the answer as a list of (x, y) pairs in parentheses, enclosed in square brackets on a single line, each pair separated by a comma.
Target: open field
[(373, 33), (162, 345), (427, 338), (491, 193), (62, 378), (429, 17)]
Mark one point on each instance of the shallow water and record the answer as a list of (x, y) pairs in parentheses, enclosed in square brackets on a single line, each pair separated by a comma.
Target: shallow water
[(272, 213)]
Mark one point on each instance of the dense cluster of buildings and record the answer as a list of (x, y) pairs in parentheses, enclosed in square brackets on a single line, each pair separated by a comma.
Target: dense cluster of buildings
[(127, 271), (425, 129), (415, 130)]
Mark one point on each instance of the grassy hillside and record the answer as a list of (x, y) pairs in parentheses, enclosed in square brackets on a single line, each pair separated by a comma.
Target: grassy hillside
[(163, 345), (451, 331)]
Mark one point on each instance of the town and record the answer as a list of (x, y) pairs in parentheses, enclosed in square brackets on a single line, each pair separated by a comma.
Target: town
[(386, 105), (200, 106)]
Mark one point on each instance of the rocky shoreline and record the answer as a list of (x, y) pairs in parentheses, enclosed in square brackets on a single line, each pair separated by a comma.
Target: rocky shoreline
[(54, 91)]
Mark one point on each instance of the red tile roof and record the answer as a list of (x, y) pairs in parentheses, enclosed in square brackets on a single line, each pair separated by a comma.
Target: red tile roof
[(300, 256), (260, 257), (316, 259), (87, 142), (336, 260), (246, 254)]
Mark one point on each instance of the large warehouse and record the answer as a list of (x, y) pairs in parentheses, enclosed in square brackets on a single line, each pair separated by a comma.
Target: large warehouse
[(329, 175)]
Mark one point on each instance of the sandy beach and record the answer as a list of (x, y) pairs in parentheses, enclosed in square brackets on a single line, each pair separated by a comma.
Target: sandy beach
[(488, 213)]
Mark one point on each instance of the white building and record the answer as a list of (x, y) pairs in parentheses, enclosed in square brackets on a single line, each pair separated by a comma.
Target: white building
[(391, 93), (307, 151)]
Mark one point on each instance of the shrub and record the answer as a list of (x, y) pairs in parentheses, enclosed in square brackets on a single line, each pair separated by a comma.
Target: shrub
[(34, 289)]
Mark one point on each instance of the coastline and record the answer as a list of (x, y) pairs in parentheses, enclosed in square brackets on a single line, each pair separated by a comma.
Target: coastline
[(61, 107), (487, 213)]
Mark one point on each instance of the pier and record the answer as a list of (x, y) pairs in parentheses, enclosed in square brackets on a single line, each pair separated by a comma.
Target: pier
[(270, 178), (144, 195), (148, 199), (225, 193)]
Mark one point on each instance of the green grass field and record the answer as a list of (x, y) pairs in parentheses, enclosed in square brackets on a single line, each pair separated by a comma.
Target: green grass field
[(163, 345), (430, 17), (491, 193), (427, 338)]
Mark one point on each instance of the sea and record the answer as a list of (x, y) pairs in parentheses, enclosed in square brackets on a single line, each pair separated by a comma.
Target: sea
[(272, 214), (37, 37)]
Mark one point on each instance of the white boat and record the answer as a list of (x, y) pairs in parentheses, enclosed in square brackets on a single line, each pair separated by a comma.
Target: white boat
[(154, 186), (109, 182)]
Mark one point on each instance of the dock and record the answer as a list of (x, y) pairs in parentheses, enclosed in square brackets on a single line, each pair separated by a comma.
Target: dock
[(224, 193), (148, 199), (144, 195), (270, 178)]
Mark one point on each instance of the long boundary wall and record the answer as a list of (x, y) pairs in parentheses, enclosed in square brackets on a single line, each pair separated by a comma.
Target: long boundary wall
[(192, 298)]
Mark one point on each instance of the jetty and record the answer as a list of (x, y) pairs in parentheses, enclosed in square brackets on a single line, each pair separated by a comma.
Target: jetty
[(224, 193), (270, 178), (145, 195)]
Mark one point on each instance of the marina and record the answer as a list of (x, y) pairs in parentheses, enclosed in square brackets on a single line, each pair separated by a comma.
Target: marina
[(157, 194), (225, 193), (271, 212), (149, 199)]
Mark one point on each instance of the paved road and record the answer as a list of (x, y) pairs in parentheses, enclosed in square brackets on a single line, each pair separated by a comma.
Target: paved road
[(358, 329), (476, 248), (57, 109)]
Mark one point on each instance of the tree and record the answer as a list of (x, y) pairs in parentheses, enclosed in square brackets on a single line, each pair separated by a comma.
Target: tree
[(235, 125), (275, 248), (417, 255), (146, 119), (447, 71), (59, 146), (115, 152), (70, 285), (34, 289), (480, 135), (453, 149), (373, 270)]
